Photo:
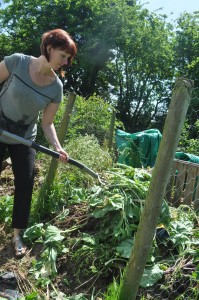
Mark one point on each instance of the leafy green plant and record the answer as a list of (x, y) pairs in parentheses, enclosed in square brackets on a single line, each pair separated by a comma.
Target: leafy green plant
[(195, 274), (121, 201), (151, 276), (87, 149), (114, 289), (181, 229), (32, 296), (6, 206), (52, 238), (188, 143)]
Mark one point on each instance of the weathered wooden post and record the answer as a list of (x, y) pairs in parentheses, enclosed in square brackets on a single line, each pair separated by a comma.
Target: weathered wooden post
[(161, 173), (50, 177), (111, 130), (61, 135)]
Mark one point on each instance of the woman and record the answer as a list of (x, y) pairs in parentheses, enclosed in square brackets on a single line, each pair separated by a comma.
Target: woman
[(31, 85)]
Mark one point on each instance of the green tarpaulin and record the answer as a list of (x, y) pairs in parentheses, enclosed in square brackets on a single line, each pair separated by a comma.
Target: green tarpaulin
[(138, 149), (187, 157)]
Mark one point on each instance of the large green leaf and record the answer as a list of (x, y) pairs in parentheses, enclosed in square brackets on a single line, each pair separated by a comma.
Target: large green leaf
[(125, 248), (53, 234), (151, 276), (34, 232)]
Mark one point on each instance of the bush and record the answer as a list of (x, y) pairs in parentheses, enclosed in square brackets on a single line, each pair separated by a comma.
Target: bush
[(87, 150), (188, 143), (91, 116)]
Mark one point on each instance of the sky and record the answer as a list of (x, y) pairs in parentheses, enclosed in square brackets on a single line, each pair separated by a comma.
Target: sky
[(175, 6)]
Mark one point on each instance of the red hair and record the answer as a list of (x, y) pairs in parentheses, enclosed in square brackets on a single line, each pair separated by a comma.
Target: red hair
[(58, 38)]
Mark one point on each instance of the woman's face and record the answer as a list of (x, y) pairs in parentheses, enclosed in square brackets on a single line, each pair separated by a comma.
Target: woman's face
[(58, 58)]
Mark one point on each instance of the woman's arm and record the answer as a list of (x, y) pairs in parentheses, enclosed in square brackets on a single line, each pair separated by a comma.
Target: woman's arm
[(49, 129), (4, 73)]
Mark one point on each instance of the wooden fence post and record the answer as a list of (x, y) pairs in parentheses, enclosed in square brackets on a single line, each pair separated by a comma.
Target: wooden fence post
[(50, 177), (160, 177), (111, 130)]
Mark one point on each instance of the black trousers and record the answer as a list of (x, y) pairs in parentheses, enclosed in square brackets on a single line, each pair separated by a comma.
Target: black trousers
[(22, 158)]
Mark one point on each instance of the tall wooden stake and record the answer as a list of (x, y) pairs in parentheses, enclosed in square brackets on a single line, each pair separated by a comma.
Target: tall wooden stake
[(50, 177), (161, 173)]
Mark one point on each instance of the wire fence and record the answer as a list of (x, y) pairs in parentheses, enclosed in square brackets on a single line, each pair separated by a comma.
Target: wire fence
[(183, 187)]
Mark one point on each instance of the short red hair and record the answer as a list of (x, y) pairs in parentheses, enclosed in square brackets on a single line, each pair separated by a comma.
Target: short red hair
[(58, 38)]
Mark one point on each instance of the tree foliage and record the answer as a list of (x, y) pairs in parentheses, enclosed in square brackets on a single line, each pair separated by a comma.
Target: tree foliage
[(91, 117), (186, 55), (142, 70), (126, 54), (187, 46)]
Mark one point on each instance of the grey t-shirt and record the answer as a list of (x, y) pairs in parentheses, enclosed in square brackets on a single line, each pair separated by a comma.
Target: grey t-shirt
[(21, 99)]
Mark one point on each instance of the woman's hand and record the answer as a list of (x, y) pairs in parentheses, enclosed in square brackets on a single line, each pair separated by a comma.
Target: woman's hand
[(63, 155)]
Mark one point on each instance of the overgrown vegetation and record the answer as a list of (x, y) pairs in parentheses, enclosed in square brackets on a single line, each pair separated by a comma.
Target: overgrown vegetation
[(88, 236)]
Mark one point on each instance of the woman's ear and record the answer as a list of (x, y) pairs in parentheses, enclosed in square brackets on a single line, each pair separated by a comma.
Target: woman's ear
[(48, 48)]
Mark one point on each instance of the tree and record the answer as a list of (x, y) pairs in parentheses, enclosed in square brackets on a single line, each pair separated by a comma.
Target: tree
[(186, 49), (143, 68), (125, 53), (187, 46), (90, 23), (26, 20)]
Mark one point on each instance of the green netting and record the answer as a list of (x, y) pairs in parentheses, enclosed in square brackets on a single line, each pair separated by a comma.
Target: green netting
[(187, 157), (138, 149)]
